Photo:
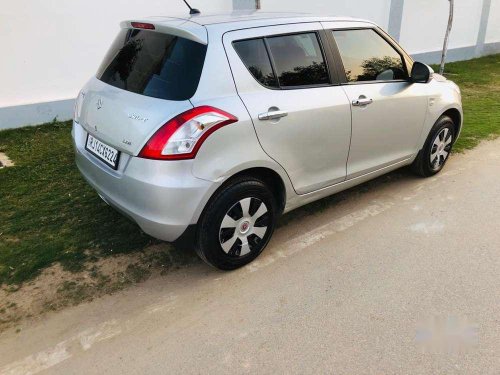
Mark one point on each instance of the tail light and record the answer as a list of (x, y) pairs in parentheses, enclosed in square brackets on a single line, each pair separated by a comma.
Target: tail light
[(182, 137)]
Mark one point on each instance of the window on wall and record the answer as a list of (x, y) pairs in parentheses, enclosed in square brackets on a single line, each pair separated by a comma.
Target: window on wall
[(298, 60), (369, 57)]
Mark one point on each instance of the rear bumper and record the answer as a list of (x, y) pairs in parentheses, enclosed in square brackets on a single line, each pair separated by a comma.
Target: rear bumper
[(162, 197)]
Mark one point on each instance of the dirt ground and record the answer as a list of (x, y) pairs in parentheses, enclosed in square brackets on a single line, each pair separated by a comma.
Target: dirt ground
[(56, 288)]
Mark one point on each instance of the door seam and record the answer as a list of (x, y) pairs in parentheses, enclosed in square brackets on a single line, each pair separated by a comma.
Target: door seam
[(251, 119)]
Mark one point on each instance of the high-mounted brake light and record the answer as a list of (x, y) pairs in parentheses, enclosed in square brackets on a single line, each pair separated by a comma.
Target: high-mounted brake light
[(182, 137), (142, 25)]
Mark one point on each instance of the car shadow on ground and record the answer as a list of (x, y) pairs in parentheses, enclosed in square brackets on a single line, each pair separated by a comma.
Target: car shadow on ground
[(186, 256)]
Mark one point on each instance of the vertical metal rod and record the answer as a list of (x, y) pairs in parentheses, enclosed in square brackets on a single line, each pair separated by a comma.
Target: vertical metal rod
[(447, 37)]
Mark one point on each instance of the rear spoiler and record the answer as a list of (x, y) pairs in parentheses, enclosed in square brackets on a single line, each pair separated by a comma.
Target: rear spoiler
[(174, 26)]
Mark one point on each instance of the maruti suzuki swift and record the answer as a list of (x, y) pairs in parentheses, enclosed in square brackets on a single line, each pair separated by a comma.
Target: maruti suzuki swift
[(208, 128)]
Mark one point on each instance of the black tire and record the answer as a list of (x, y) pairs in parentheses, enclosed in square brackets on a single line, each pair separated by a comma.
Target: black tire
[(209, 234), (422, 165)]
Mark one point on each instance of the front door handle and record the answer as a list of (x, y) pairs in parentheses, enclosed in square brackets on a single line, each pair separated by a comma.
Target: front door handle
[(272, 115), (362, 101)]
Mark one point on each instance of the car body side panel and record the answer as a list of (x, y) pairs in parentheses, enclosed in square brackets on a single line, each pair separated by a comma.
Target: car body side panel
[(216, 78), (312, 141), (301, 200), (387, 130), (235, 147), (443, 96)]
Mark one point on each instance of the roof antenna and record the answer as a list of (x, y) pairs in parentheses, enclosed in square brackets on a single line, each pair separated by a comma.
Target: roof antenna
[(192, 10)]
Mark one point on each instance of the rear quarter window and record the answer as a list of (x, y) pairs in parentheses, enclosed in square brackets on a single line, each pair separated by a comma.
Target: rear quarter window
[(254, 55), (153, 64)]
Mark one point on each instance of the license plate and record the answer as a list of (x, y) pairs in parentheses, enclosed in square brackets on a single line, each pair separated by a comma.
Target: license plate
[(102, 151)]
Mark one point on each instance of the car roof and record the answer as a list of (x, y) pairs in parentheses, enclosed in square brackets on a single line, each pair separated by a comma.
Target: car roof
[(242, 16), (196, 27), (242, 19)]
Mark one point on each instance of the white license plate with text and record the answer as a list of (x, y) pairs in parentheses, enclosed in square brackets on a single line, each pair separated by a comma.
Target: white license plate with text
[(102, 151)]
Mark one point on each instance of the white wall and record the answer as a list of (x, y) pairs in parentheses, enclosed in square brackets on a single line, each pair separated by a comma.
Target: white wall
[(51, 47), (424, 24), (374, 10), (493, 33)]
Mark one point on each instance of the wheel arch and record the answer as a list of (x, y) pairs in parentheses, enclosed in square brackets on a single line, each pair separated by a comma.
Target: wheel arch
[(456, 117), (269, 176), (452, 111)]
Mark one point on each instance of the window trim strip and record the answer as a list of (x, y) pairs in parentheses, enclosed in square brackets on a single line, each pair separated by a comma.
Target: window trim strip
[(271, 61)]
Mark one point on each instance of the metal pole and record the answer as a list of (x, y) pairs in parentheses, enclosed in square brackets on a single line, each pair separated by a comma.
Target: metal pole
[(447, 37)]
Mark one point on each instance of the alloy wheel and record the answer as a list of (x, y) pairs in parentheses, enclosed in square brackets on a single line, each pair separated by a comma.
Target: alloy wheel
[(441, 148)]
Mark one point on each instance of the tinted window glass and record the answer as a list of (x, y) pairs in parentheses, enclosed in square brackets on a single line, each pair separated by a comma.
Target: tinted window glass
[(154, 64), (368, 57), (254, 55), (298, 60)]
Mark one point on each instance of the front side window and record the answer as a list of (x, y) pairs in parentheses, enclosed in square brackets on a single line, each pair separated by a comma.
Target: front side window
[(298, 60), (154, 64), (368, 57)]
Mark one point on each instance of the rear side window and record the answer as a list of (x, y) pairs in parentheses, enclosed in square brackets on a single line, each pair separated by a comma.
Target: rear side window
[(153, 64), (286, 61), (369, 57), (254, 55), (298, 60)]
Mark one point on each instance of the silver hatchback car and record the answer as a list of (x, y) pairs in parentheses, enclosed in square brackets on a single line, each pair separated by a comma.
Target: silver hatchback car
[(204, 130)]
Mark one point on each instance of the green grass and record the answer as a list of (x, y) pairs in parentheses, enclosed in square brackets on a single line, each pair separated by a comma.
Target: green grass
[(479, 80), (49, 214)]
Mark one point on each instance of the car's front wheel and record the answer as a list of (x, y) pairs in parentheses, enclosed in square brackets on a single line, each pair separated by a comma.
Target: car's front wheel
[(436, 151), (237, 224)]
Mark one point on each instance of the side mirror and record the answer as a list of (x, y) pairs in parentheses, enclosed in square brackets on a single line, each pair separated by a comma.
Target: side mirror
[(421, 73)]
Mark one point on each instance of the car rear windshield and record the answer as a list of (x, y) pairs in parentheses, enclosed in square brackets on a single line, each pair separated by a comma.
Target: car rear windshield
[(153, 64)]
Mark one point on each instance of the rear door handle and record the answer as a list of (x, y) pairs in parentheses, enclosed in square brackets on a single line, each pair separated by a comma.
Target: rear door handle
[(362, 101), (272, 115)]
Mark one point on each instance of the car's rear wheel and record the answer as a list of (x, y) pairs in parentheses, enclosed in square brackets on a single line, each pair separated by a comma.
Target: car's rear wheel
[(436, 151), (237, 224)]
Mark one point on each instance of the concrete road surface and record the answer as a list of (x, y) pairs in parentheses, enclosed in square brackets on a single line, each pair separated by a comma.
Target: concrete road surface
[(399, 276)]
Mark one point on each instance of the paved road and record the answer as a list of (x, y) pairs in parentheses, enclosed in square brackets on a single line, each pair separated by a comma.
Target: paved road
[(401, 275)]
